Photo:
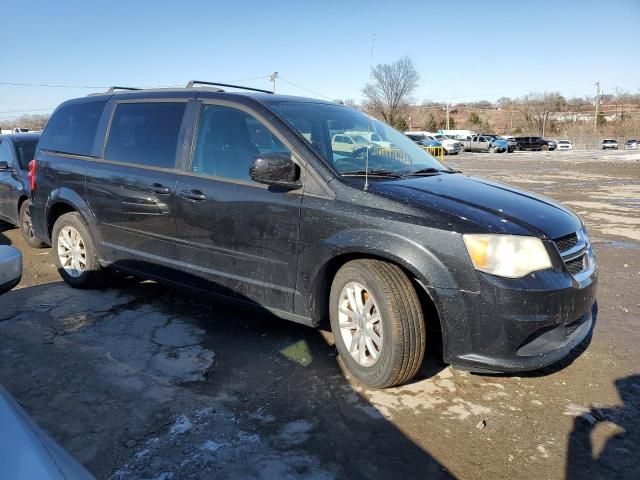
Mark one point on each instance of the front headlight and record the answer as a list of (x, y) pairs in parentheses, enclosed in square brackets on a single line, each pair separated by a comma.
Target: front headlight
[(510, 256)]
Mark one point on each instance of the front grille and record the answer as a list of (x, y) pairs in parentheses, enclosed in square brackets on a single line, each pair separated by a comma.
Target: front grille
[(575, 265), (567, 242)]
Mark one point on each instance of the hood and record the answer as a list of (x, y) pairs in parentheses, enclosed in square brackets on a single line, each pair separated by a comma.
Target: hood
[(493, 206)]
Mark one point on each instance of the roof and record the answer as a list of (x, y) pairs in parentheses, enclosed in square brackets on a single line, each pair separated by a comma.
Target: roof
[(203, 92), (22, 136)]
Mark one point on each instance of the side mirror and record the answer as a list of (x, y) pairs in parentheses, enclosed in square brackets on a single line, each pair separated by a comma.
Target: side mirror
[(276, 169), (4, 166), (10, 268)]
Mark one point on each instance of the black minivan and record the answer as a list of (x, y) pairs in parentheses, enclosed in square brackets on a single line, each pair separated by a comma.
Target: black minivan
[(244, 196)]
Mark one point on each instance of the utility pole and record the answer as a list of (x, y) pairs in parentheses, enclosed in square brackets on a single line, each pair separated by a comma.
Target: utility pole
[(595, 121), (272, 78), (373, 41), (447, 115)]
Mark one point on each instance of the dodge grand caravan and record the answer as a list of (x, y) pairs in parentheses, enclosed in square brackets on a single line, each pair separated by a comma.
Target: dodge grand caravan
[(239, 195)]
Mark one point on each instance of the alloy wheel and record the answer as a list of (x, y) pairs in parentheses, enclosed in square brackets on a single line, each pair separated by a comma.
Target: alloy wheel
[(72, 252), (360, 324)]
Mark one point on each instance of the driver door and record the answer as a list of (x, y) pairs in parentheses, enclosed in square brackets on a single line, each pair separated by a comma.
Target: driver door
[(236, 237)]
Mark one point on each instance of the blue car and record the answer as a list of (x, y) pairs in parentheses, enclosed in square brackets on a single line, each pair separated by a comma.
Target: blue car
[(424, 140)]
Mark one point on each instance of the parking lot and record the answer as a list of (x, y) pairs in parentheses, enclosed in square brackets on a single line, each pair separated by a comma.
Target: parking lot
[(139, 381)]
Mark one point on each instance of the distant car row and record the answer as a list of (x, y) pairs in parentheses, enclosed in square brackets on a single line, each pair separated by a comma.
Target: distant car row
[(612, 144), (485, 142), (455, 141)]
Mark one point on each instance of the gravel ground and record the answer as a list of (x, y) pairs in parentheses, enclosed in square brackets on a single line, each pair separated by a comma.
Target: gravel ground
[(140, 382)]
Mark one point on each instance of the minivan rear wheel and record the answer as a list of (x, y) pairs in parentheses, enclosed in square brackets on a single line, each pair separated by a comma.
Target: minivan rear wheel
[(75, 253), (26, 225), (377, 323)]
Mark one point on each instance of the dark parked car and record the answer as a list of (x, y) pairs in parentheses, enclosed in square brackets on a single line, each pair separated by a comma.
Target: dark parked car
[(535, 143), (16, 151), (239, 195)]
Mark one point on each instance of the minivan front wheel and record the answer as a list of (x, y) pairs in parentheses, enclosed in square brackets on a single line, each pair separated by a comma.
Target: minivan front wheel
[(377, 323), (75, 253)]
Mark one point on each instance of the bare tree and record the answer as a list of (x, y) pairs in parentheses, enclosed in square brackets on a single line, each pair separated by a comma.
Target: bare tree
[(537, 109), (388, 94)]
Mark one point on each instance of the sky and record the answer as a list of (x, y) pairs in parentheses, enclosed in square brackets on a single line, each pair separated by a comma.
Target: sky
[(463, 51)]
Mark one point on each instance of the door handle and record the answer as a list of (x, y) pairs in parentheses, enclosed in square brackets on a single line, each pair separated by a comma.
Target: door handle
[(195, 195), (161, 189)]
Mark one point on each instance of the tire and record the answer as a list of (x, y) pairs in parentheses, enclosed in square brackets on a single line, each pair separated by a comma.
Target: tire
[(92, 275), (26, 227), (492, 150), (400, 326), (544, 148)]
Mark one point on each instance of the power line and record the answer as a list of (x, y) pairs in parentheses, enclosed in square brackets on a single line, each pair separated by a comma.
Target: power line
[(305, 89), (59, 85)]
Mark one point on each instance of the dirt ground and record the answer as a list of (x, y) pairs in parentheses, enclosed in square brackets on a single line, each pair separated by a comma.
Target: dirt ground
[(140, 382)]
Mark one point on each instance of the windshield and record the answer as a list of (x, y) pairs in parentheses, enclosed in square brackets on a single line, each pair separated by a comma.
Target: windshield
[(26, 153), (323, 124), (608, 141)]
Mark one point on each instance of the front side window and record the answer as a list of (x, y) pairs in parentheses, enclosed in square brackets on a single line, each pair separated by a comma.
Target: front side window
[(228, 141), (72, 128), (319, 123), (145, 133)]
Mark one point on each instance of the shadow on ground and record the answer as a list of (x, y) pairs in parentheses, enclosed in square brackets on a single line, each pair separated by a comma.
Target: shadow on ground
[(139, 381), (603, 442)]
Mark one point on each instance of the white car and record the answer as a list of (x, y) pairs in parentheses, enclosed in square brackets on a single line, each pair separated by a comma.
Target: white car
[(372, 137), (609, 144), (565, 145), (451, 147), (10, 268), (632, 144)]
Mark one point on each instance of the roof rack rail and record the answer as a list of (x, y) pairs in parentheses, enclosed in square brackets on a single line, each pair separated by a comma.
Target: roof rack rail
[(198, 82), (114, 88)]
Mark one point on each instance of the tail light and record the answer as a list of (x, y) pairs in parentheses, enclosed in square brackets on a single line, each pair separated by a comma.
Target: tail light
[(32, 175)]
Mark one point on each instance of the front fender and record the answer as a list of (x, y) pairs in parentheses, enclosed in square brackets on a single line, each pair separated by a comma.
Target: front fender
[(318, 265), (410, 255)]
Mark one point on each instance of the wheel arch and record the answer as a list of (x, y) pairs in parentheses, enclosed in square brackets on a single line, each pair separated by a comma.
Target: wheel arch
[(65, 200), (319, 298)]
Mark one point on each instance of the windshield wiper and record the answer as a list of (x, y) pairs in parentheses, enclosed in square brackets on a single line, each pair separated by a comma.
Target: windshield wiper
[(426, 171), (432, 171), (373, 173)]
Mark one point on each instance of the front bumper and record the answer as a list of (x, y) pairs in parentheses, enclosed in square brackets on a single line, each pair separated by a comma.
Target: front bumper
[(514, 325), (452, 149)]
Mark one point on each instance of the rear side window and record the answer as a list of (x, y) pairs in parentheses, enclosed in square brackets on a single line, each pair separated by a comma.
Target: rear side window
[(72, 128), (145, 133), (26, 153)]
